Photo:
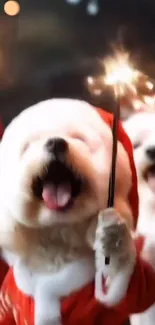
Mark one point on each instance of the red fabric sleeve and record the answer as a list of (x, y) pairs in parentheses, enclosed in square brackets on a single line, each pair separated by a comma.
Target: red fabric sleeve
[(141, 292), (3, 270), (6, 301)]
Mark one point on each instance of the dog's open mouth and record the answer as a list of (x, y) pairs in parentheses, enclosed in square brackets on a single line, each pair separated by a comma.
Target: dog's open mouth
[(58, 187), (149, 176)]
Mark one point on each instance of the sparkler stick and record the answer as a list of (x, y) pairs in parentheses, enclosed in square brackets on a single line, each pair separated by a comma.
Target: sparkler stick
[(114, 156), (113, 167)]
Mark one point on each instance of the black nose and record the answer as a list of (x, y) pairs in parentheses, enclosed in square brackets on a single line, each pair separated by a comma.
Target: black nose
[(151, 152), (56, 146)]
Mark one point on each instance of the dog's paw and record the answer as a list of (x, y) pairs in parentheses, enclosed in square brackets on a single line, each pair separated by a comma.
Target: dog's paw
[(113, 238)]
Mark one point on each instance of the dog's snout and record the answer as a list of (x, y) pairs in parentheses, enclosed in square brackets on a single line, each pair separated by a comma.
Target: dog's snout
[(151, 152), (56, 146)]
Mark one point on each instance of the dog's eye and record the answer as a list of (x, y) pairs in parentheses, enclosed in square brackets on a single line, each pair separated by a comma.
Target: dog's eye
[(136, 145)]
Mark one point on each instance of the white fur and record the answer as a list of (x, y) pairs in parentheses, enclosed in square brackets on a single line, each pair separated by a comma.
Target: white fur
[(141, 130), (116, 283), (50, 118), (117, 286), (52, 241), (147, 318), (23, 154), (47, 289), (8, 257)]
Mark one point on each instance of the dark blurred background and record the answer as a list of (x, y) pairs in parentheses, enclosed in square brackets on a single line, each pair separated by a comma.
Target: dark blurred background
[(49, 48)]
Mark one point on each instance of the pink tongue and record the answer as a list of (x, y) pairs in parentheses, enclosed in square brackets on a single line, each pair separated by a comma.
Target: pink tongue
[(151, 181), (56, 197)]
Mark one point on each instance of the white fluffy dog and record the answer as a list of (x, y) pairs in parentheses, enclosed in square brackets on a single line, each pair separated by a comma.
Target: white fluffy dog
[(54, 169), (55, 163), (141, 130)]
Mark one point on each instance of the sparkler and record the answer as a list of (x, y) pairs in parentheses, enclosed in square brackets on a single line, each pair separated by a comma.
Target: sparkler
[(133, 88), (126, 82)]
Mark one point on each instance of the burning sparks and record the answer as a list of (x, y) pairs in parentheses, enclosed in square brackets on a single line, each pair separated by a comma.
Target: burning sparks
[(118, 70), (134, 88), (120, 74)]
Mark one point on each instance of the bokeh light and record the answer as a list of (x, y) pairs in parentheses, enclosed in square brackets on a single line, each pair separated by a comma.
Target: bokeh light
[(12, 8)]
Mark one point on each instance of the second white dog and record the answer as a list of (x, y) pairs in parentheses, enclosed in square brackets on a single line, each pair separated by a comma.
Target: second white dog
[(141, 130)]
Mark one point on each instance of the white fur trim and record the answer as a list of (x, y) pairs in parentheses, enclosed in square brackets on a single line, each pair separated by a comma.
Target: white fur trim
[(8, 257), (47, 289), (116, 286), (116, 274), (146, 318)]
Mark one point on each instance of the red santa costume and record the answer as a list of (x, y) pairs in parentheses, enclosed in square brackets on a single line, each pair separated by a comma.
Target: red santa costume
[(80, 306)]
